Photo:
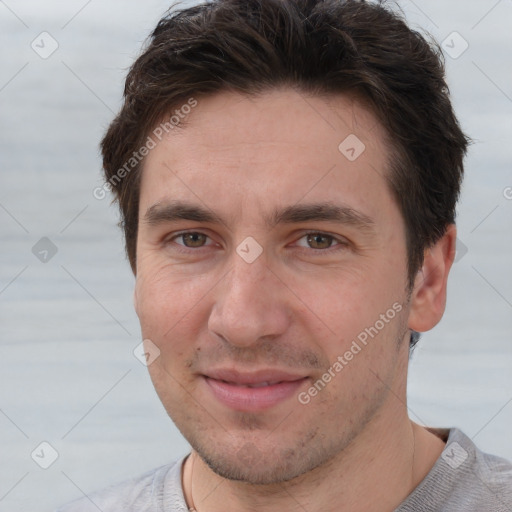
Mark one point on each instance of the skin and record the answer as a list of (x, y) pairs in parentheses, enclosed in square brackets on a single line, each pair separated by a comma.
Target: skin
[(297, 307)]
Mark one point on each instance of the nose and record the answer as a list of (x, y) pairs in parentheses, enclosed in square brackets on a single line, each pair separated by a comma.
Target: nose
[(250, 304)]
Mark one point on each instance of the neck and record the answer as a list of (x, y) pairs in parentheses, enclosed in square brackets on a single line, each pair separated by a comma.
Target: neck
[(376, 472)]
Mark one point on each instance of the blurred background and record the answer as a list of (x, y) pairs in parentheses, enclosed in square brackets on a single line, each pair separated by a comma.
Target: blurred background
[(69, 377)]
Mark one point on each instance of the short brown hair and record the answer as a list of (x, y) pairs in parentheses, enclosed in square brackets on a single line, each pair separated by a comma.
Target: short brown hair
[(317, 47)]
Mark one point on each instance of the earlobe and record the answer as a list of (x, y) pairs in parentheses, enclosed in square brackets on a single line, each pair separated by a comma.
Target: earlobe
[(428, 297)]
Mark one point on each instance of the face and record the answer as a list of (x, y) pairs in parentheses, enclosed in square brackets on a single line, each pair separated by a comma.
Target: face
[(271, 277)]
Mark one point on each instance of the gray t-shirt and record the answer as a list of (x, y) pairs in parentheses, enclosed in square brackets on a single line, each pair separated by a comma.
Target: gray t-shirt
[(463, 479)]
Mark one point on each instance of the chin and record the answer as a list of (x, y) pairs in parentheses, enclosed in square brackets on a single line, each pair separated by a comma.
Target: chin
[(266, 472), (257, 465)]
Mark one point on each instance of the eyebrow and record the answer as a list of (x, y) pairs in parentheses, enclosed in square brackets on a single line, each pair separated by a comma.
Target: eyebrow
[(171, 211), (341, 214)]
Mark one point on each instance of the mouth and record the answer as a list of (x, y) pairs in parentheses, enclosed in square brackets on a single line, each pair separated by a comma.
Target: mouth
[(252, 386), (253, 392)]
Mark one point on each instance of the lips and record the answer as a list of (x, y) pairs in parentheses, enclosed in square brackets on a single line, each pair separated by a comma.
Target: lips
[(258, 385), (252, 378), (252, 392)]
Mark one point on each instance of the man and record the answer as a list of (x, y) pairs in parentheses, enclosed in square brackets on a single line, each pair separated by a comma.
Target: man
[(287, 173)]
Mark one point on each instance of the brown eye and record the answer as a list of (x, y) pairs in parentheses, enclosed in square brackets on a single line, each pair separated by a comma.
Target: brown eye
[(319, 240), (193, 239)]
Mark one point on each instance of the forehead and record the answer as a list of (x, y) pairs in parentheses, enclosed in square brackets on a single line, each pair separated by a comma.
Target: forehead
[(281, 115), (282, 146)]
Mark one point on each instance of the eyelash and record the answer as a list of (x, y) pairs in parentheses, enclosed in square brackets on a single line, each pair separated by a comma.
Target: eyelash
[(341, 244)]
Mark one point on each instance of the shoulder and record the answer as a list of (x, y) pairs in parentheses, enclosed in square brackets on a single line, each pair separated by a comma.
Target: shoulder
[(493, 477), (156, 490), (463, 479), (489, 476)]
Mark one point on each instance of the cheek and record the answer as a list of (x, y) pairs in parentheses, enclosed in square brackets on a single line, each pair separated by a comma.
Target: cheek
[(362, 372), (170, 307), (340, 303), (359, 320)]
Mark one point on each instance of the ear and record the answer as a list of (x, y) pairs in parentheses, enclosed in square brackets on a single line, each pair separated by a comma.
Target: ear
[(428, 298), (135, 300)]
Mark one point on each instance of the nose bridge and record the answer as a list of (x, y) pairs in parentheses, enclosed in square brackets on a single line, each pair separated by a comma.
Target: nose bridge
[(250, 282), (249, 305)]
